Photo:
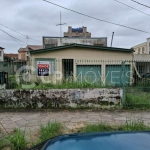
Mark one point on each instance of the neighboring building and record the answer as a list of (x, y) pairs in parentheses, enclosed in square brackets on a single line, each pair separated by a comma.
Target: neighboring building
[(1, 54), (142, 57), (74, 35), (6, 64), (77, 32), (74, 59), (148, 46), (23, 53), (141, 49), (24, 56), (49, 42), (9, 62), (10, 57)]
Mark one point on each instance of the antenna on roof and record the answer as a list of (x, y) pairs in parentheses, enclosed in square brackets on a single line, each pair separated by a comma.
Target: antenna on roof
[(60, 25)]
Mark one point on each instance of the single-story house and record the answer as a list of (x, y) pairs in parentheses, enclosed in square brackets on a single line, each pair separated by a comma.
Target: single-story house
[(86, 63)]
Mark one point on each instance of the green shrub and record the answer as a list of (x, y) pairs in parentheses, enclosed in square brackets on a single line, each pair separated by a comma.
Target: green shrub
[(145, 84), (12, 84), (17, 140), (137, 100), (50, 130)]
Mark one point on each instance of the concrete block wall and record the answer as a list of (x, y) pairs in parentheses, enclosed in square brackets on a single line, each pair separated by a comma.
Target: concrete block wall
[(61, 98)]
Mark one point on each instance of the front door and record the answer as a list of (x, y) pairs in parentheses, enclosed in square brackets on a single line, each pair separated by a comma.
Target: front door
[(67, 68)]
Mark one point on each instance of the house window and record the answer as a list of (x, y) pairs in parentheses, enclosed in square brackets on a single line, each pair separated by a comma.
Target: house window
[(0, 53), (139, 51), (143, 50)]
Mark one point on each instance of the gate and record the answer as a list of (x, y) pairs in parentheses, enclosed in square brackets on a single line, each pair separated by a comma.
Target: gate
[(137, 93)]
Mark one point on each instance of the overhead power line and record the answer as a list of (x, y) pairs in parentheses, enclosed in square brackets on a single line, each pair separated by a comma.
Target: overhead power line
[(12, 29), (140, 3), (18, 32), (97, 18), (14, 38), (132, 8)]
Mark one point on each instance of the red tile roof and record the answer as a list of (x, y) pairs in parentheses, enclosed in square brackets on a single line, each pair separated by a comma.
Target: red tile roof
[(35, 47), (31, 47), (11, 55), (23, 50)]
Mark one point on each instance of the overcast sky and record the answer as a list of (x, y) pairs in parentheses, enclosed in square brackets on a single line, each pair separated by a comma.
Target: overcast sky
[(37, 18)]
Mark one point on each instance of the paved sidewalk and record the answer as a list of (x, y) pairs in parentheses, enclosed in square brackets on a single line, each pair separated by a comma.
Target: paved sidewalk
[(71, 120)]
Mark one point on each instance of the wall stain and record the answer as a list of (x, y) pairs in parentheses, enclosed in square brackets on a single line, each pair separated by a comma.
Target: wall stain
[(60, 98)]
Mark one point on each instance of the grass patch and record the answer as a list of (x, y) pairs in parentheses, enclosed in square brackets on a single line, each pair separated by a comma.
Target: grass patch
[(68, 85), (50, 130), (134, 126), (128, 126), (17, 140), (64, 84), (137, 100), (97, 128), (4, 143)]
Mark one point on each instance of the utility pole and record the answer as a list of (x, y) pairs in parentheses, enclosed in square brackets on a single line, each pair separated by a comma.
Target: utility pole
[(60, 26), (112, 39)]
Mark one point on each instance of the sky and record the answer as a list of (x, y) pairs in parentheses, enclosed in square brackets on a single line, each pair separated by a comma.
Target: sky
[(36, 18)]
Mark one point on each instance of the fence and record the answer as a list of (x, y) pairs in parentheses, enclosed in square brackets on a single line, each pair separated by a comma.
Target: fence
[(132, 76), (138, 94), (82, 72)]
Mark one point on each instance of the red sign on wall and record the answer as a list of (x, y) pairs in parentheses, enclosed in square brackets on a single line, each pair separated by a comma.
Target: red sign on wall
[(43, 66)]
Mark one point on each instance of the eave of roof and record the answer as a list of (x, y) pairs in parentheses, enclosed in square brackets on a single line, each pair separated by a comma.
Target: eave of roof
[(83, 46), (11, 55), (74, 37), (2, 48), (23, 50), (139, 44), (34, 47)]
